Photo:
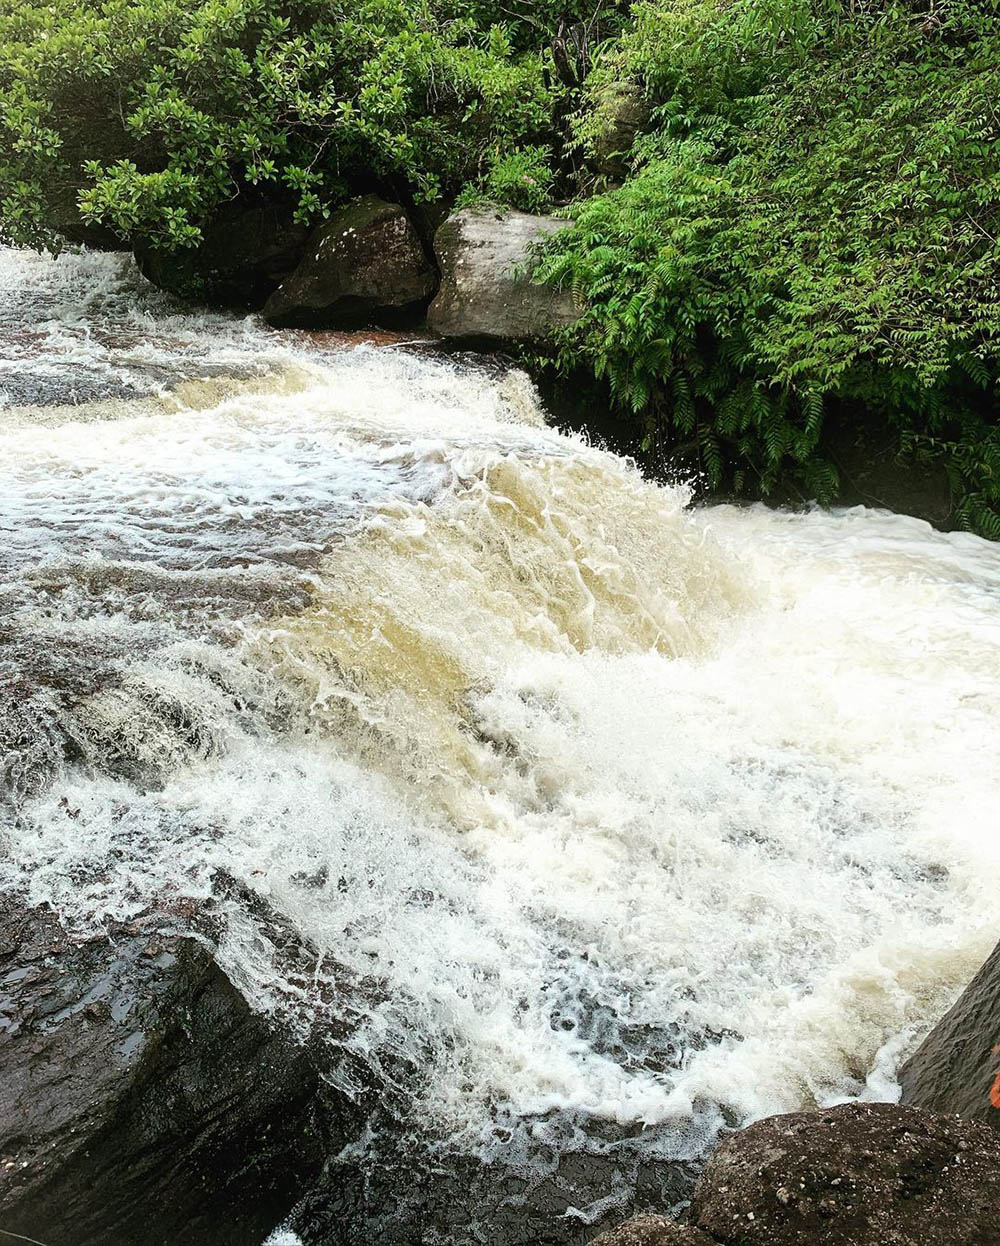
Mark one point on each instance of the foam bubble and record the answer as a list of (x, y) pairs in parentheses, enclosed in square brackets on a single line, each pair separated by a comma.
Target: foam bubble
[(582, 816)]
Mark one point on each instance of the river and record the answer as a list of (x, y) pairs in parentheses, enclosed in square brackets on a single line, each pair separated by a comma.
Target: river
[(606, 820)]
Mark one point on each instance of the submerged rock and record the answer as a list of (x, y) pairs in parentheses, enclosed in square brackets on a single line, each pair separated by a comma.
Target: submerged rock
[(653, 1231), (409, 1190), (365, 264), (957, 1067), (141, 1099), (862, 1174), (484, 292), (246, 252)]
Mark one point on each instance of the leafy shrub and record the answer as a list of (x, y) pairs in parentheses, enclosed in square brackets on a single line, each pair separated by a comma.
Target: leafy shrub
[(814, 214), (149, 114), (519, 179)]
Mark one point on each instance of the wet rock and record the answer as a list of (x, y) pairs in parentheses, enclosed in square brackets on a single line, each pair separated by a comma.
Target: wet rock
[(32, 745), (141, 1100), (956, 1067), (408, 1190), (862, 1174), (78, 233), (484, 294), (63, 216), (875, 472), (247, 251), (653, 1231), (365, 264)]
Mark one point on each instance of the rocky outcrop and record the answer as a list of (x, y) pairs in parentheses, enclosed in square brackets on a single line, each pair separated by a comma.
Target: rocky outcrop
[(484, 292), (957, 1067), (246, 252), (862, 1174), (873, 471), (620, 112), (66, 222), (141, 1099), (653, 1231), (364, 265)]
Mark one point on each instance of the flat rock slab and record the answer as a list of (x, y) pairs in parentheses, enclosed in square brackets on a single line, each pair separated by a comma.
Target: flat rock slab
[(484, 292), (862, 1174)]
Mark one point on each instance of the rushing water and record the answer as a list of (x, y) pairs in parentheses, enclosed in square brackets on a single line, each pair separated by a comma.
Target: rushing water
[(603, 822)]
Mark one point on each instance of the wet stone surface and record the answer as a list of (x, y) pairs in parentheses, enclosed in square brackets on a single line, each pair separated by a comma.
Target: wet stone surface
[(409, 1194), (957, 1067), (124, 1107)]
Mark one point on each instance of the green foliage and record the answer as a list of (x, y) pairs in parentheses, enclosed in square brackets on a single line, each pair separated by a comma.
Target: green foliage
[(813, 215), (148, 114), (810, 221), (520, 179), (972, 458)]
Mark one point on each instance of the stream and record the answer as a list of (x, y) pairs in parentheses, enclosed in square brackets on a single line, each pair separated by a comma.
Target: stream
[(604, 821)]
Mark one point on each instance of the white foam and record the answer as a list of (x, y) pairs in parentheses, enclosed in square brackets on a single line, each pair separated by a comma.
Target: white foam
[(584, 805), (283, 1237)]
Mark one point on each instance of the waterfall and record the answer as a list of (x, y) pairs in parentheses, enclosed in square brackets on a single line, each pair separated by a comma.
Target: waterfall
[(597, 819)]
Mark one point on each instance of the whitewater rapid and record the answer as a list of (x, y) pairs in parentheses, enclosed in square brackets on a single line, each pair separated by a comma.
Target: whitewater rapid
[(602, 819)]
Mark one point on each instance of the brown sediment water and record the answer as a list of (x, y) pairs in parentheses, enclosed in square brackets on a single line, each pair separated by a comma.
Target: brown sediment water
[(643, 818)]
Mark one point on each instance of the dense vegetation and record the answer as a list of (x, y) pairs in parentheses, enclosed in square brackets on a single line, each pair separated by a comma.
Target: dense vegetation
[(157, 111), (802, 224), (812, 222)]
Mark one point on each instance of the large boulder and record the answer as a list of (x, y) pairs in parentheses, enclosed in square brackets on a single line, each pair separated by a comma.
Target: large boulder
[(141, 1099), (365, 264), (485, 292), (956, 1067), (247, 250), (862, 1174)]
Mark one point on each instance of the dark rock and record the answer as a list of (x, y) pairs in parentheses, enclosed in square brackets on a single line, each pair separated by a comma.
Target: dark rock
[(427, 219), (407, 1189), (483, 294), (246, 252), (862, 1174), (95, 237), (63, 216), (364, 264), (956, 1067), (141, 1100), (874, 471), (653, 1231)]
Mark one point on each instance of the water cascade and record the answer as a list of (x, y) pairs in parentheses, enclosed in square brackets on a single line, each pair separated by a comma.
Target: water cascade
[(603, 821)]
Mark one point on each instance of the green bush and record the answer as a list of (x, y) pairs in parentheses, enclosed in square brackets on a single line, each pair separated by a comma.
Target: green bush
[(520, 179), (146, 115), (813, 215)]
